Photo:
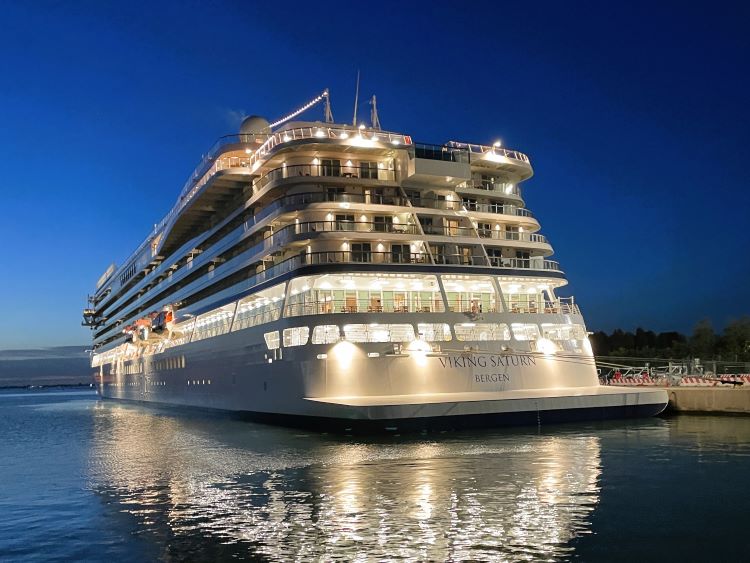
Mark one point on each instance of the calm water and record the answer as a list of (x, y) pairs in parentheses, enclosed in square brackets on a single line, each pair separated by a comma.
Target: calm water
[(88, 480)]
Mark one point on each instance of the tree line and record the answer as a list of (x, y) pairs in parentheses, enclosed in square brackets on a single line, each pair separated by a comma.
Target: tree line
[(731, 345)]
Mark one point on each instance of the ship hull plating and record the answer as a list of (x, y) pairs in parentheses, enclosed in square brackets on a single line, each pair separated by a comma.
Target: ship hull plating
[(371, 386)]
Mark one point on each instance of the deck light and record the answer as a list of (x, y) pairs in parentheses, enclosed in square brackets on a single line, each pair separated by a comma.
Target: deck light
[(546, 346), (344, 135), (287, 138), (343, 352), (319, 133), (497, 144), (418, 350)]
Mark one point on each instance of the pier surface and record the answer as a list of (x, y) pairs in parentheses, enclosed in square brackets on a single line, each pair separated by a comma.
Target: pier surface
[(709, 399)]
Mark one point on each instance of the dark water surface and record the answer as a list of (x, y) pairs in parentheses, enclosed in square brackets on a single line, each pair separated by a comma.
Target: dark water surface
[(82, 479)]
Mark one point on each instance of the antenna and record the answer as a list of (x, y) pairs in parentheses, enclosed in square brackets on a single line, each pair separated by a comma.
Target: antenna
[(374, 121), (327, 107), (356, 96)]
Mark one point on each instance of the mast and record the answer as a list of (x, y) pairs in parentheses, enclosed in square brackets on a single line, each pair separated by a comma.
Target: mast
[(374, 120), (356, 96), (327, 107)]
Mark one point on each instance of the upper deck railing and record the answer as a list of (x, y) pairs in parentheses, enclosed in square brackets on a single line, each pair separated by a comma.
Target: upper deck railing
[(489, 150)]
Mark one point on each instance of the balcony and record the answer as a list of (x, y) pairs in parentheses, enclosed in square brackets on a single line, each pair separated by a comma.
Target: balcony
[(497, 208), (327, 171), (560, 306), (525, 263), (497, 158), (512, 236), (350, 227), (499, 188), (355, 306), (363, 257), (449, 231), (460, 259)]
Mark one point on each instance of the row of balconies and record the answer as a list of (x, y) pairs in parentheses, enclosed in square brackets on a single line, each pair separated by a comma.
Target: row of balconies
[(399, 255), (560, 305), (376, 198), (374, 226), (370, 171), (408, 229), (233, 152)]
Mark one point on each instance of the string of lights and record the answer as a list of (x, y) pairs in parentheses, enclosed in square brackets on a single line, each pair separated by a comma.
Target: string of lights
[(304, 108)]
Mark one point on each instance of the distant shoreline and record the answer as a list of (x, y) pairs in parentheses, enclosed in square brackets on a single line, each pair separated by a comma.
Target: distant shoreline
[(51, 386)]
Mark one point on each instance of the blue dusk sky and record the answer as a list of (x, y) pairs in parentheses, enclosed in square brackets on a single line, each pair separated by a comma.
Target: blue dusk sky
[(635, 116)]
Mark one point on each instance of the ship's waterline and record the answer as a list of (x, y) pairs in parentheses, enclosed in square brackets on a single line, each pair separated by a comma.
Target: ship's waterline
[(316, 271)]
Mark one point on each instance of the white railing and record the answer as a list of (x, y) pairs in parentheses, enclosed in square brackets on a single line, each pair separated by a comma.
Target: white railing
[(511, 235), (484, 150)]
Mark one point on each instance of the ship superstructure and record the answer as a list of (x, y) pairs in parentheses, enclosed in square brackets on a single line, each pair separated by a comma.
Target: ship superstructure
[(346, 273)]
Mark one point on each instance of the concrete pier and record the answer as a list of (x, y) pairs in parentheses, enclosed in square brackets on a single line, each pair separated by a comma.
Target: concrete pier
[(709, 400)]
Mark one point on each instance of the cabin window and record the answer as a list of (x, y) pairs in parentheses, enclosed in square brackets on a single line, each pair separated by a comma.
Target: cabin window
[(272, 340), (435, 332), (379, 332), (525, 331), (296, 336), (481, 331), (361, 252), (369, 170), (383, 224), (330, 167), (326, 334), (344, 222)]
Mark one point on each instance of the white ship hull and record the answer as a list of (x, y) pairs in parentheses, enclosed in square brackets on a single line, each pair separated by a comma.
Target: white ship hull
[(323, 386)]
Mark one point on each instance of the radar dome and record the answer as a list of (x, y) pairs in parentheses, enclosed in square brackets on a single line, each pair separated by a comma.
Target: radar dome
[(253, 125)]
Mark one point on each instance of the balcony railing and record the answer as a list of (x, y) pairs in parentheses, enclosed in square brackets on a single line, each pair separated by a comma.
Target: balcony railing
[(497, 208), (448, 231), (364, 257), (484, 150), (351, 227), (454, 205), (486, 185), (511, 235), (347, 306), (459, 259), (321, 170), (525, 263), (562, 305)]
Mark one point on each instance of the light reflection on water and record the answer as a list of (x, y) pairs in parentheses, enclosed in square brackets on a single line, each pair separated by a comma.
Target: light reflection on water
[(82, 480), (212, 488)]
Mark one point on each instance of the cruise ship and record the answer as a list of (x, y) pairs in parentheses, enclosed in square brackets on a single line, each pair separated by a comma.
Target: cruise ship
[(339, 275)]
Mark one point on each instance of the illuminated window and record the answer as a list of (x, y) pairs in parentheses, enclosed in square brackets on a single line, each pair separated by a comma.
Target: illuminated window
[(525, 331), (481, 331), (326, 334), (435, 332), (563, 331), (379, 333), (272, 339), (296, 336)]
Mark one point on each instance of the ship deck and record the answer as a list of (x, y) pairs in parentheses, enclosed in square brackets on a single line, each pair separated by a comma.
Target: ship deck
[(628, 396)]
